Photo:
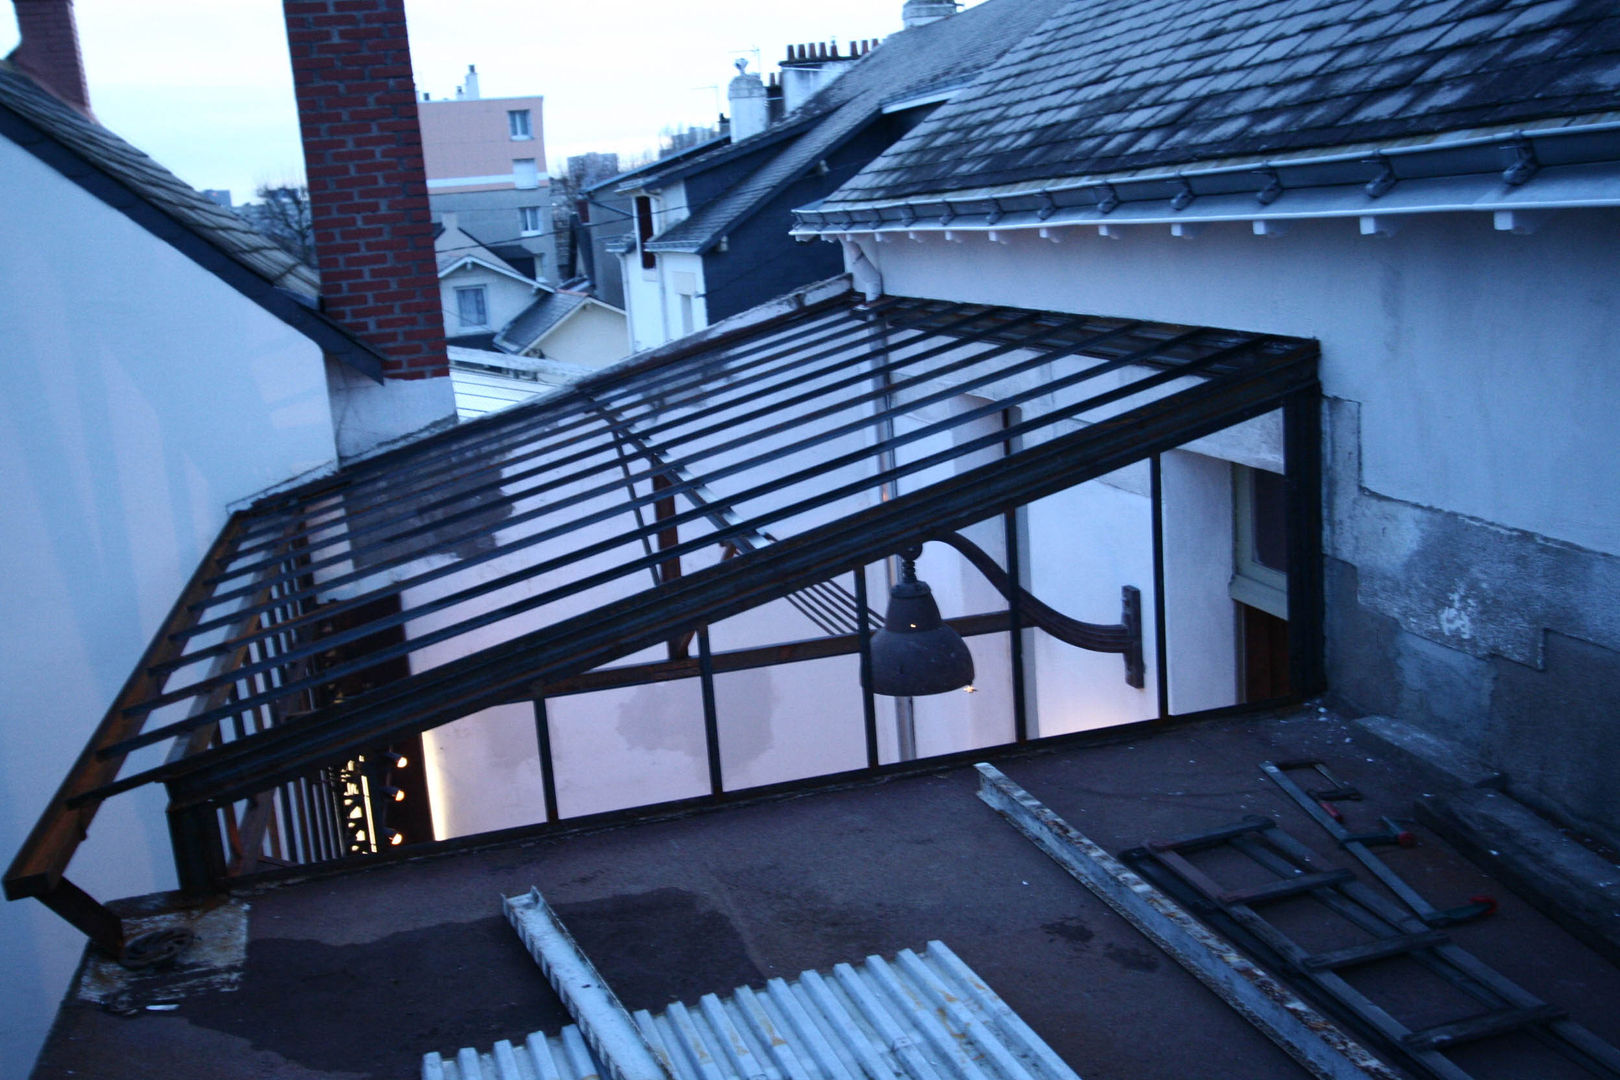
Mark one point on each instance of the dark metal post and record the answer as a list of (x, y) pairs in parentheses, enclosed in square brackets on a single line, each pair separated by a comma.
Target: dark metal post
[(1015, 630), (199, 854), (868, 704), (1302, 457), (548, 777), (1161, 662), (711, 719)]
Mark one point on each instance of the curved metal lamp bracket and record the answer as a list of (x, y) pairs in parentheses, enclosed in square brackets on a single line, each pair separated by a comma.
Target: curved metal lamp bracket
[(1123, 637)]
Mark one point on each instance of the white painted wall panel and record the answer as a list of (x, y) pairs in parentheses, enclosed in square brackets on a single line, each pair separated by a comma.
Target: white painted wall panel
[(1483, 360), (142, 396)]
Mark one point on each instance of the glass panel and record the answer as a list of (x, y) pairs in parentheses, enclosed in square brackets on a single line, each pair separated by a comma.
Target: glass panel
[(790, 721), (1084, 544), (634, 746), (483, 772), (966, 719)]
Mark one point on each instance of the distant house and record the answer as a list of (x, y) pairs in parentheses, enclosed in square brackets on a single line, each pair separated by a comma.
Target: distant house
[(480, 291), (1431, 196), (486, 164), (705, 233), (492, 308)]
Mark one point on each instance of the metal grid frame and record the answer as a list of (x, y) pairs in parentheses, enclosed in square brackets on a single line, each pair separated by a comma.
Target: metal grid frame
[(779, 438)]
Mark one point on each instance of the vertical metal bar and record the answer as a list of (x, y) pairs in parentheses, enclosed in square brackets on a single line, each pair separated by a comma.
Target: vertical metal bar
[(1302, 458), (1015, 622), (548, 776), (1161, 661), (868, 704), (711, 718)]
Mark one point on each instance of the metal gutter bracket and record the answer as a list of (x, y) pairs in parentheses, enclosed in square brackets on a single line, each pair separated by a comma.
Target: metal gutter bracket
[(1184, 197), (1524, 164), (1273, 189), (1107, 199), (1385, 181)]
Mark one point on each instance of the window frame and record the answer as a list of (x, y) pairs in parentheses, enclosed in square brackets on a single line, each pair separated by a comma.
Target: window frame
[(463, 295), (519, 125), (524, 213)]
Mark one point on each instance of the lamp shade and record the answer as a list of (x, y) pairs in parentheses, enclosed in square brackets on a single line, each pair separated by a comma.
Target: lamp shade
[(916, 653)]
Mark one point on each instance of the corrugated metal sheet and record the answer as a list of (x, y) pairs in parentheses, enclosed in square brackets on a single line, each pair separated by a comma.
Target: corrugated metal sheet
[(920, 1016)]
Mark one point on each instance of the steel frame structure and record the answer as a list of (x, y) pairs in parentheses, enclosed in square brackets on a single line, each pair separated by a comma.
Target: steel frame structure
[(755, 462)]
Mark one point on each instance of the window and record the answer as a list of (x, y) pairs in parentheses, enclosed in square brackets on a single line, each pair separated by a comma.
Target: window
[(471, 307), (525, 173), (529, 220), (517, 123), (1260, 581), (644, 231)]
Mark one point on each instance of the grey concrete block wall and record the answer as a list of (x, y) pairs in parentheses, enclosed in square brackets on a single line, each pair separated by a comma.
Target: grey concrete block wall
[(1501, 641)]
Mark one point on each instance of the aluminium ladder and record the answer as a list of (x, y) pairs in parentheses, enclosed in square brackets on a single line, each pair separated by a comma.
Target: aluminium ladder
[(1390, 933)]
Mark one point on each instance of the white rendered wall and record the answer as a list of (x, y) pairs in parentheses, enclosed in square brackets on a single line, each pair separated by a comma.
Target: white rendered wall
[(505, 298), (1483, 360), (142, 396), (593, 336)]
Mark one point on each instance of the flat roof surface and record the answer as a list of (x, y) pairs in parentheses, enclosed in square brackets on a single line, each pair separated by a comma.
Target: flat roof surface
[(359, 974)]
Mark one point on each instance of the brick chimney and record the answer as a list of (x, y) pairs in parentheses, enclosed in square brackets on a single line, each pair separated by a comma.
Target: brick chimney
[(49, 49), (369, 209)]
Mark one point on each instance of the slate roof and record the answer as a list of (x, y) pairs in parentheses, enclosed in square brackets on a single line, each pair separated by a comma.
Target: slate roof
[(111, 154), (1107, 86), (133, 183), (908, 64), (538, 319)]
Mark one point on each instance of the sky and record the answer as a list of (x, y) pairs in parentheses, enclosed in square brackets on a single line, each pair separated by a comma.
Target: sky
[(204, 86)]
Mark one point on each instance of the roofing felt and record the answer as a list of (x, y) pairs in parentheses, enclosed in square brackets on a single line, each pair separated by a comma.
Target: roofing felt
[(101, 149), (539, 319), (912, 62), (1106, 86)]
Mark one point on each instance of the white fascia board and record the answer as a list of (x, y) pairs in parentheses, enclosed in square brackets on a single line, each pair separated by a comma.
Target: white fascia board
[(470, 260)]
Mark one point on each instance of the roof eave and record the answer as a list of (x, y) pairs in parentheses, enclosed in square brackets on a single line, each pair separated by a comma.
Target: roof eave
[(274, 298), (1551, 167)]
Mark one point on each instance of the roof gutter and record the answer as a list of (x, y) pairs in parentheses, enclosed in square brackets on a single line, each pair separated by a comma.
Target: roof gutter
[(1540, 169)]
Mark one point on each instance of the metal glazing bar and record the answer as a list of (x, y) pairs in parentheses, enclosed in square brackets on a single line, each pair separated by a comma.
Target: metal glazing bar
[(711, 718), (548, 773), (603, 515), (669, 388), (628, 377), (617, 629), (868, 703), (553, 481), (737, 530), (45, 854), (1015, 628), (1161, 636)]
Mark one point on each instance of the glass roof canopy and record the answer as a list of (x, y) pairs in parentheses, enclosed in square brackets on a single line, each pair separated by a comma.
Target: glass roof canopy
[(753, 462)]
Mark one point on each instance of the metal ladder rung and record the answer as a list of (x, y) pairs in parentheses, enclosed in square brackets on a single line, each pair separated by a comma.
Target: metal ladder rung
[(1285, 887), (1251, 824), (1498, 1022), (1380, 949)]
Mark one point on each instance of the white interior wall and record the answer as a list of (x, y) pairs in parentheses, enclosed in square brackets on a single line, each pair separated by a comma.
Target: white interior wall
[(143, 396)]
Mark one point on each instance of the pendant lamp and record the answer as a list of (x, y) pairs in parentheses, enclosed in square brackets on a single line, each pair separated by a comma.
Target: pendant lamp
[(916, 653)]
